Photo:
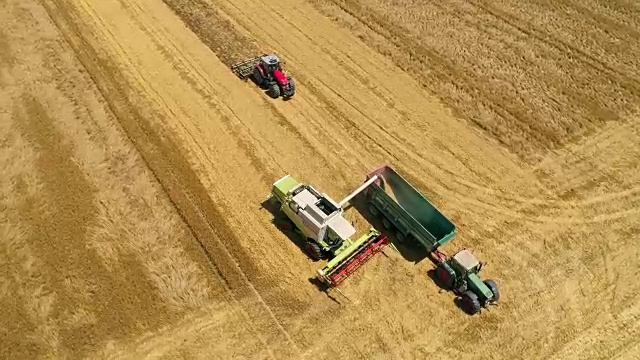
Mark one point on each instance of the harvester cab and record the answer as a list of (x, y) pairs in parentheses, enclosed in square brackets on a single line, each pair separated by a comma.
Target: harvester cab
[(326, 232), (267, 72), (460, 274)]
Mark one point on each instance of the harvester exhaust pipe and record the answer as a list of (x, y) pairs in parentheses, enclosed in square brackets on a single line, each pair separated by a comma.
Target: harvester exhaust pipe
[(358, 190)]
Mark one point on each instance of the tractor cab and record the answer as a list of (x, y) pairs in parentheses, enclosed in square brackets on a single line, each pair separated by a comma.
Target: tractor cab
[(466, 263), (270, 63)]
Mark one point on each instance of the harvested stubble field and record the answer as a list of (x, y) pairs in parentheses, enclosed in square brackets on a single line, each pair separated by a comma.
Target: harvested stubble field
[(135, 164)]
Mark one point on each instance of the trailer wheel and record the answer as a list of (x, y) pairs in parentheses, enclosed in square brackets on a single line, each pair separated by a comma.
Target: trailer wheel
[(386, 223), (401, 238), (470, 302), (373, 210), (494, 289)]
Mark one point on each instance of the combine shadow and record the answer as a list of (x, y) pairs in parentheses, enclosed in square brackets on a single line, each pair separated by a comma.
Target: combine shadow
[(285, 225), (324, 288), (410, 251)]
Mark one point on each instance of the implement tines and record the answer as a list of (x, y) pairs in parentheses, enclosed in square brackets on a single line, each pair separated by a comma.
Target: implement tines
[(244, 69), (357, 259)]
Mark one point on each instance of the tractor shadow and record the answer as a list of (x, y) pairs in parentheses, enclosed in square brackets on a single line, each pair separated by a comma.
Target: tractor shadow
[(443, 290), (410, 252), (264, 90)]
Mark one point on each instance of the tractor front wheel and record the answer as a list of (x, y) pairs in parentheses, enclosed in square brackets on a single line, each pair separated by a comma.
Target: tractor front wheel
[(313, 250), (470, 302), (494, 289), (292, 85)]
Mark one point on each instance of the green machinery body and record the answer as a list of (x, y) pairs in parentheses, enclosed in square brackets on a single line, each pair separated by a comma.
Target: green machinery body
[(414, 220), (327, 233), (405, 211)]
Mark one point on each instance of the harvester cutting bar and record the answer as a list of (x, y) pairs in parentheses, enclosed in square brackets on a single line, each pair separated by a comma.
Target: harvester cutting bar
[(334, 274), (358, 190), (244, 68)]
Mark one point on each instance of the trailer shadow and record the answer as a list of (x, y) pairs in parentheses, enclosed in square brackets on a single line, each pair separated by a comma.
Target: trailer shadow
[(410, 252), (285, 225)]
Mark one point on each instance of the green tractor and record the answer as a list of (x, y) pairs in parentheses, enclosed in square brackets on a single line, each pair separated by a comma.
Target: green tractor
[(460, 275)]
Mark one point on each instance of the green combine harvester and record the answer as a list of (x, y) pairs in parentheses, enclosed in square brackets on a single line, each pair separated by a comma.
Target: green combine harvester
[(327, 234), (404, 211)]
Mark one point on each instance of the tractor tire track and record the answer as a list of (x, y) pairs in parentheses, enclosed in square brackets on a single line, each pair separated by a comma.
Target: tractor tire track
[(191, 209)]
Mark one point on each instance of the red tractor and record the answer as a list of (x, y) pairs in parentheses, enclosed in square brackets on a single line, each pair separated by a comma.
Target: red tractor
[(266, 71)]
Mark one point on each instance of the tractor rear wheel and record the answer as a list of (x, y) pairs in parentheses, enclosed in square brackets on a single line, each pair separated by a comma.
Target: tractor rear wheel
[(274, 90), (313, 250), (470, 302), (446, 276), (494, 289), (257, 77)]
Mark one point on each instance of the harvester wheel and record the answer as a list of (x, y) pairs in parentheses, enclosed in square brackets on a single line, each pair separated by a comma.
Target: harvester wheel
[(494, 289), (446, 276), (313, 250), (273, 91), (470, 302)]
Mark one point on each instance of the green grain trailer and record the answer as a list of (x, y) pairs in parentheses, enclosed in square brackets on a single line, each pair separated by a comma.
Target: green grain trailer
[(404, 211)]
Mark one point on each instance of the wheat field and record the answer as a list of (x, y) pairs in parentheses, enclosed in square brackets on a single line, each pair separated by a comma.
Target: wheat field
[(135, 165)]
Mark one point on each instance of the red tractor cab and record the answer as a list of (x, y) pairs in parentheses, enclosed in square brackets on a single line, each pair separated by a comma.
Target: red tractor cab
[(266, 71)]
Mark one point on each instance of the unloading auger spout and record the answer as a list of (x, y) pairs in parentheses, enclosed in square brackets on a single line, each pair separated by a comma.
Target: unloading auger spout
[(358, 191)]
